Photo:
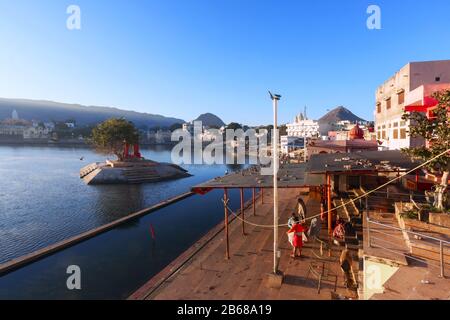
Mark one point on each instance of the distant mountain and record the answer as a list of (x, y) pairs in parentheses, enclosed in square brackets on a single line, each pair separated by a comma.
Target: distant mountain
[(210, 120), (83, 115), (326, 123), (340, 114)]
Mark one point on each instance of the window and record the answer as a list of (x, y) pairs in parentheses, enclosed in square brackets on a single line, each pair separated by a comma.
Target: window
[(402, 123), (383, 135), (379, 135), (378, 107), (401, 97), (395, 134), (403, 133), (388, 103), (395, 125), (437, 79)]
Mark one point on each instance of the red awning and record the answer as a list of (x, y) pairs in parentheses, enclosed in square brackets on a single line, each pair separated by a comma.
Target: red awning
[(428, 102)]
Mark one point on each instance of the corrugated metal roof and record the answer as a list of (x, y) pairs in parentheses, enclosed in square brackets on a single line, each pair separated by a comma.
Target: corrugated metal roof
[(392, 160), (312, 173), (289, 176)]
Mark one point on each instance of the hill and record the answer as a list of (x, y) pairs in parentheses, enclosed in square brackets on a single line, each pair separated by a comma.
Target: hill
[(210, 120), (83, 115), (326, 123), (340, 114)]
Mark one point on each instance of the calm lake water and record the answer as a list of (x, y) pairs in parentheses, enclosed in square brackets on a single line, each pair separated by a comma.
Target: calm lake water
[(43, 200)]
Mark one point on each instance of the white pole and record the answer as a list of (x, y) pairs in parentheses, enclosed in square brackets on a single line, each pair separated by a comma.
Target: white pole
[(275, 187)]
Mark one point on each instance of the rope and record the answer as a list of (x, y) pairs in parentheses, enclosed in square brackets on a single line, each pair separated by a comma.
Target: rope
[(344, 203)]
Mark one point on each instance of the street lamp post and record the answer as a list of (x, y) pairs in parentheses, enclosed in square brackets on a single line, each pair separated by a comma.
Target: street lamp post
[(275, 98)]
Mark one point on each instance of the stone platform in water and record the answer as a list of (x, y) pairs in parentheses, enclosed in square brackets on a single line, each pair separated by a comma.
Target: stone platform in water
[(131, 172)]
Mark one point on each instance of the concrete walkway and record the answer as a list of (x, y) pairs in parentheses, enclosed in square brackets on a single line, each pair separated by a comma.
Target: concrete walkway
[(417, 281), (416, 278), (206, 274)]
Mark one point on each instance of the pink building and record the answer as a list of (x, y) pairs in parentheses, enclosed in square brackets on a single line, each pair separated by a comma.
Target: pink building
[(411, 86)]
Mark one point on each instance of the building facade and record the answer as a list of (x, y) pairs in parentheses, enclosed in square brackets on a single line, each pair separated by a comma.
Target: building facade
[(302, 127), (341, 146), (289, 144), (391, 130), (298, 132)]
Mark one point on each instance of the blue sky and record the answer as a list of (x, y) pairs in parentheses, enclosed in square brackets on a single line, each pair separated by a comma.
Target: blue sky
[(182, 58)]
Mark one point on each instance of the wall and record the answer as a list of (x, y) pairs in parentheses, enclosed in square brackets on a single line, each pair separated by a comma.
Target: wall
[(407, 78), (441, 219), (385, 120), (426, 72)]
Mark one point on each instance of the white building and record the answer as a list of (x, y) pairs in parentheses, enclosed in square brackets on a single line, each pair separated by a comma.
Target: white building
[(303, 127), (36, 132), (15, 115), (297, 132), (50, 126), (12, 130)]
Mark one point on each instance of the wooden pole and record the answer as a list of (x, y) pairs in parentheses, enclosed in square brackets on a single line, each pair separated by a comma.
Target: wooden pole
[(242, 211), (322, 211), (254, 202), (330, 229), (262, 195), (417, 180), (276, 256), (225, 198)]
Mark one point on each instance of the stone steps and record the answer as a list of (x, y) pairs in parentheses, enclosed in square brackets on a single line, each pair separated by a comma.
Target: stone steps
[(143, 180), (87, 170), (138, 175), (141, 175)]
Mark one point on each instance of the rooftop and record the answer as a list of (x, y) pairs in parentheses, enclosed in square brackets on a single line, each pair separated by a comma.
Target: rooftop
[(311, 174), (387, 161), (289, 175), (344, 143)]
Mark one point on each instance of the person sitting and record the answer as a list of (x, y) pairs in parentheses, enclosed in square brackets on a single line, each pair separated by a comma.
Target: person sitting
[(339, 230)]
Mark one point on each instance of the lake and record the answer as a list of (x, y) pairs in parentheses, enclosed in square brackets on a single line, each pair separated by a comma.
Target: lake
[(43, 201)]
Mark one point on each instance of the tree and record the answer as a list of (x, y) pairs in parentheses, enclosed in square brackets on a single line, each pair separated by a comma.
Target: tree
[(436, 131), (110, 136), (175, 126), (234, 126), (282, 130)]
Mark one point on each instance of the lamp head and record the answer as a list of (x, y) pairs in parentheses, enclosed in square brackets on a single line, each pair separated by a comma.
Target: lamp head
[(274, 96)]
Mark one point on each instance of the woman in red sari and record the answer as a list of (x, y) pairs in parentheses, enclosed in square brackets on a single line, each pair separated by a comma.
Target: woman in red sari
[(297, 242)]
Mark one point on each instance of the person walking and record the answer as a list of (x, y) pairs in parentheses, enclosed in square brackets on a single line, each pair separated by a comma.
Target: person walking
[(290, 223), (301, 209), (297, 241)]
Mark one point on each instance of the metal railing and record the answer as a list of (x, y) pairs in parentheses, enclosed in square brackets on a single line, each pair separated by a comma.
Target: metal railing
[(442, 243)]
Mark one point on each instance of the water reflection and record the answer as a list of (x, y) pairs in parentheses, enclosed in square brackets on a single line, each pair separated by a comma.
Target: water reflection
[(116, 263), (118, 199), (43, 201)]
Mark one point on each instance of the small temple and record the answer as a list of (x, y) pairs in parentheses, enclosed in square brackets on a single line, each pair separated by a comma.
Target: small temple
[(133, 168)]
